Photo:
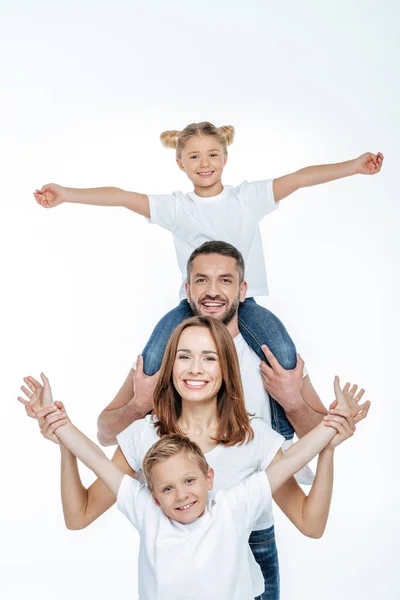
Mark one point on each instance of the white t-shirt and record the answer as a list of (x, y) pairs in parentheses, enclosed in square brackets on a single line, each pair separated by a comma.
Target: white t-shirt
[(231, 464), (232, 216), (205, 560)]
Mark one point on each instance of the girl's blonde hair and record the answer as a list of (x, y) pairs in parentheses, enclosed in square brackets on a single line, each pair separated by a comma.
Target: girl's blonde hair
[(177, 139), (233, 420)]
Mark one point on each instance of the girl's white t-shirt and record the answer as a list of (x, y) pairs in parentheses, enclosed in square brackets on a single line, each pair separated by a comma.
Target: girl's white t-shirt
[(231, 464), (232, 216), (206, 559)]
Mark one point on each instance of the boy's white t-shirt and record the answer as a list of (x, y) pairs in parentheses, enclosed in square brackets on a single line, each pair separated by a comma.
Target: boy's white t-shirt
[(205, 560), (232, 216)]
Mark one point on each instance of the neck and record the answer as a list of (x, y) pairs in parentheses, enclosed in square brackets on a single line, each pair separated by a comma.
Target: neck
[(209, 191), (198, 415), (233, 326)]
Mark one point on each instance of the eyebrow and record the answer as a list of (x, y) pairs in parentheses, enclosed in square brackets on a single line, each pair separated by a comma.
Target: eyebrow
[(212, 150), (188, 351), (222, 275)]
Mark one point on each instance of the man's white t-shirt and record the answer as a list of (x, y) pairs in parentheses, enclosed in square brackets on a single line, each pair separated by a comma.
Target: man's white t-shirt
[(232, 216), (205, 560)]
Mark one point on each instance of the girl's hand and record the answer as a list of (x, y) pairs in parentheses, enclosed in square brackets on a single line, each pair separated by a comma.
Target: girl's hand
[(39, 396), (369, 164), (50, 419), (50, 195), (343, 422), (348, 399)]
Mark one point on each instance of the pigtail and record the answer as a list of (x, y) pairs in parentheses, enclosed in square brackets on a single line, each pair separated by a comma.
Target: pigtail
[(228, 133), (169, 139)]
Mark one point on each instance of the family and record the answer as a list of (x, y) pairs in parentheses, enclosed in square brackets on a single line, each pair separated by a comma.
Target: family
[(204, 422)]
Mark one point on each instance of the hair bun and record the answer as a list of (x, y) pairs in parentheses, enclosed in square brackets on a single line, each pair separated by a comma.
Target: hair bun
[(169, 139), (228, 133)]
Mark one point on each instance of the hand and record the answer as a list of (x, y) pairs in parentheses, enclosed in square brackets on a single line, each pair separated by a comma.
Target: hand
[(50, 419), (283, 385), (369, 164), (39, 395), (50, 195), (144, 386)]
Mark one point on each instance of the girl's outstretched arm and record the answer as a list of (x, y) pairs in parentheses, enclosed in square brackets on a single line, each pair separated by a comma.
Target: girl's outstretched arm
[(51, 195), (366, 164), (312, 443)]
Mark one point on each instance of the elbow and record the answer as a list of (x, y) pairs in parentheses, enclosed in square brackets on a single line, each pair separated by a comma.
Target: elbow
[(74, 525), (103, 436), (314, 533)]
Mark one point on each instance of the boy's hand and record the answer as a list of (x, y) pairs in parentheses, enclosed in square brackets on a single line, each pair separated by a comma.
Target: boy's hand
[(369, 164), (39, 395), (50, 195)]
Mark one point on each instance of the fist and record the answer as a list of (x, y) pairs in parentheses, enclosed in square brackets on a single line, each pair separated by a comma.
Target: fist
[(50, 195)]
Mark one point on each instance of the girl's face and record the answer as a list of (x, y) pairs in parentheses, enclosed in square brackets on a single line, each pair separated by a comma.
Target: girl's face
[(203, 160), (197, 373)]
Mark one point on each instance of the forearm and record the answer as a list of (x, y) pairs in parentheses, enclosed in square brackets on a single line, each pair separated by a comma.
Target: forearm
[(104, 196), (74, 495), (317, 504), (303, 418), (91, 455), (299, 455), (112, 421)]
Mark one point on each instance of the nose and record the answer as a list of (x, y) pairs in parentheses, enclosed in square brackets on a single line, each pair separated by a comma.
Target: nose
[(212, 288), (204, 161), (181, 494), (196, 365)]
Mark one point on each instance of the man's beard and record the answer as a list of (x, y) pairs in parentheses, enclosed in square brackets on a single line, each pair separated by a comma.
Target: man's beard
[(227, 317)]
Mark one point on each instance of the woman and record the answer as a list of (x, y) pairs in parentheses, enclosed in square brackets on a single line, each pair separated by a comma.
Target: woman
[(199, 394)]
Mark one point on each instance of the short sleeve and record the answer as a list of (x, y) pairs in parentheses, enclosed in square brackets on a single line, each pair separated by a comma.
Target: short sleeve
[(132, 500), (249, 498), (163, 211), (269, 442), (129, 440), (258, 196)]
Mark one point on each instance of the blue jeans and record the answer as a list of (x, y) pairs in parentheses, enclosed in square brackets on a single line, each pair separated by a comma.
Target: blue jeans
[(257, 325), (263, 547)]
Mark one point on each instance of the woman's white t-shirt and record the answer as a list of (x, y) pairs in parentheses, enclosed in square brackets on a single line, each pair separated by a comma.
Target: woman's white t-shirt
[(232, 216), (231, 464)]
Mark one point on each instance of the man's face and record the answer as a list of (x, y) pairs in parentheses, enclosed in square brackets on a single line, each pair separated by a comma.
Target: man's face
[(214, 289)]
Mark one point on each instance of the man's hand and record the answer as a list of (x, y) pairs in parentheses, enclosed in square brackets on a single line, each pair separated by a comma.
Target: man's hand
[(368, 164), (283, 385), (143, 386), (50, 195), (39, 396)]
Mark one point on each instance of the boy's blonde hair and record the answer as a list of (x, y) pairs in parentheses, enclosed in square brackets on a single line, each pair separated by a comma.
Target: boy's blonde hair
[(177, 139), (171, 445)]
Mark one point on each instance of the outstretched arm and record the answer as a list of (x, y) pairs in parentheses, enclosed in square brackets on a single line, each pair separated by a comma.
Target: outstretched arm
[(81, 505), (133, 401), (51, 195), (366, 164), (310, 513), (309, 445)]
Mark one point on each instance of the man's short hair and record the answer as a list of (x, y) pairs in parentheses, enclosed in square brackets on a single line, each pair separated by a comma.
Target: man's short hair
[(217, 247), (171, 445)]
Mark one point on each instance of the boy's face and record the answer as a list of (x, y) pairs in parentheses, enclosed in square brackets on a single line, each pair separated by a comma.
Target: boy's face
[(180, 487)]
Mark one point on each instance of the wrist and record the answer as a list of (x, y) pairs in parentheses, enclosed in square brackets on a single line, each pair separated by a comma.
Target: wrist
[(292, 405), (138, 407), (328, 452)]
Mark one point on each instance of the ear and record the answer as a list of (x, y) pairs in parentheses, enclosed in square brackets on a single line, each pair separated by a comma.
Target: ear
[(243, 291), (210, 478), (226, 158), (187, 290), (156, 502), (180, 164)]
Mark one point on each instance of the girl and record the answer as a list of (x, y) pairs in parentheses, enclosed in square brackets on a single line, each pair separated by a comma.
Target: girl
[(199, 394), (216, 212)]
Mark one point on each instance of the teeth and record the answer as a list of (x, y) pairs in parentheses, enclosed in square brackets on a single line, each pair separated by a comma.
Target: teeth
[(213, 304), (195, 383), (185, 507)]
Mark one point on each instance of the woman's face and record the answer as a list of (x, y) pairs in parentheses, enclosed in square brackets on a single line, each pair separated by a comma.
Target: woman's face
[(197, 373)]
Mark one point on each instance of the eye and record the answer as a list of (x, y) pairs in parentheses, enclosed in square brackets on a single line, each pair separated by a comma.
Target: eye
[(200, 280), (211, 358), (213, 155), (167, 489), (183, 357), (194, 156), (226, 280), (190, 480)]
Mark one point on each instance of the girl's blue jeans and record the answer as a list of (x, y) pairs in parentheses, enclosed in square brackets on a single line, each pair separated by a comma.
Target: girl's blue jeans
[(257, 325)]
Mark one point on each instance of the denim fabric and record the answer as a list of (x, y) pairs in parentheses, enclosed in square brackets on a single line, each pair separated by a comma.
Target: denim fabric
[(260, 326), (154, 350), (257, 325), (263, 547)]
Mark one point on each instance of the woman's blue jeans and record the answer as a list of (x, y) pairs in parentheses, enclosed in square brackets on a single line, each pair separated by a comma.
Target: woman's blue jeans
[(257, 325)]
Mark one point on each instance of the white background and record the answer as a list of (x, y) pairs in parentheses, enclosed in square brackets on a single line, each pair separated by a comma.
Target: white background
[(86, 89)]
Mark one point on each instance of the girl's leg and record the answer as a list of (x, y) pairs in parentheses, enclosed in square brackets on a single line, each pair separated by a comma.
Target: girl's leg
[(260, 326), (155, 347)]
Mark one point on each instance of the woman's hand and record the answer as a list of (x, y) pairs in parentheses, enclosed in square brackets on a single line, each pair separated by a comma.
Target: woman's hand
[(51, 195), (345, 412)]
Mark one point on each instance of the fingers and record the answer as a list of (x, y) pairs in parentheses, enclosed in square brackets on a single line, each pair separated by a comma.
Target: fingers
[(336, 387), (47, 410), (27, 392), (343, 428), (274, 364), (363, 412), (359, 395), (333, 405), (27, 407), (139, 366)]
